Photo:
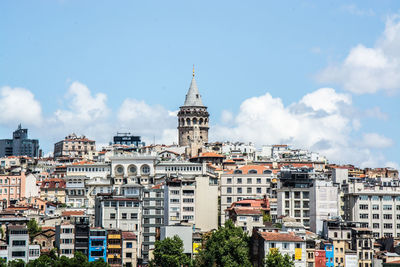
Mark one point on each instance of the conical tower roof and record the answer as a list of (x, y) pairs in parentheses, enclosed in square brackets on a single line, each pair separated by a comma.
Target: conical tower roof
[(193, 98)]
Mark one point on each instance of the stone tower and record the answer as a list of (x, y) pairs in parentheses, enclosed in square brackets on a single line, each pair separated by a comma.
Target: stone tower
[(193, 120)]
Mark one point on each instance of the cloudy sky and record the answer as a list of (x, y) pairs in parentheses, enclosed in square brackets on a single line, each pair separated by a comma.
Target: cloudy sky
[(322, 75)]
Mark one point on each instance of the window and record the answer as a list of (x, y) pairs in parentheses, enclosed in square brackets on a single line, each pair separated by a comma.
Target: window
[(229, 190), (375, 198), (128, 255), (258, 180), (239, 180), (387, 226), (188, 200), (229, 200), (129, 244), (239, 190), (364, 216), (387, 207), (249, 190), (18, 243), (306, 195), (18, 254), (297, 195), (124, 217), (112, 216), (229, 180), (287, 195), (249, 180), (363, 197), (272, 245), (387, 216), (387, 198), (375, 216), (375, 225), (363, 206), (145, 169), (375, 207), (258, 190)]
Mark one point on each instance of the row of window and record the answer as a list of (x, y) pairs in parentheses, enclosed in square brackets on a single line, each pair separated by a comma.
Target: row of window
[(4, 190), (183, 168), (297, 195), (87, 169), (377, 198), (248, 180), (376, 207), (376, 216), (13, 180), (121, 204)]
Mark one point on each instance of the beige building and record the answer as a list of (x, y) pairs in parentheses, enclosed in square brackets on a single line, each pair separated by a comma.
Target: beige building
[(75, 146), (129, 249)]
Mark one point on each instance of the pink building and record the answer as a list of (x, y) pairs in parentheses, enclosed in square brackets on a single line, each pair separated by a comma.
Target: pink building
[(16, 186)]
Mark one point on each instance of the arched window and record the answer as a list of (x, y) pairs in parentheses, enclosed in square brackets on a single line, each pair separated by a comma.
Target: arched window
[(238, 172), (194, 121), (145, 169), (201, 121), (252, 171), (132, 169), (267, 172), (188, 122), (119, 170)]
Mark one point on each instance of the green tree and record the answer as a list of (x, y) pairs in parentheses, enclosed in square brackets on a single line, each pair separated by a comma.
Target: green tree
[(276, 259), (33, 228), (16, 263), (228, 246), (79, 260), (267, 217), (169, 253)]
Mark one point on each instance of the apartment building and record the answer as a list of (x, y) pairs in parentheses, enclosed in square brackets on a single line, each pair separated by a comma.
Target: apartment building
[(76, 195), (248, 213), (129, 249), (294, 193), (82, 231), (363, 245), (17, 185), (75, 146), (286, 243), (153, 218), (249, 181), (375, 204), (53, 189), (65, 239), (97, 244), (114, 248)]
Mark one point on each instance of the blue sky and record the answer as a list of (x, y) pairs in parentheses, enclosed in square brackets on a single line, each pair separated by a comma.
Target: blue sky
[(131, 61)]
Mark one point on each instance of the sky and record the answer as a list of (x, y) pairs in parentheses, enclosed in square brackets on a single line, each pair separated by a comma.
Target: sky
[(319, 75)]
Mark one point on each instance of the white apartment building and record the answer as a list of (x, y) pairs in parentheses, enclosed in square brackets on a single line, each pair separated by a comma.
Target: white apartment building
[(286, 243), (249, 181), (65, 239), (76, 192), (374, 205), (89, 169)]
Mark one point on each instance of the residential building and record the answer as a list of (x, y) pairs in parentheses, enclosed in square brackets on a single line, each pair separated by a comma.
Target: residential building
[(114, 248), (17, 185), (20, 145), (128, 140), (153, 218), (53, 189), (185, 233), (129, 249), (18, 242), (286, 243), (75, 146), (97, 244), (248, 181), (375, 205), (248, 213), (75, 189), (65, 239), (362, 243), (82, 231)]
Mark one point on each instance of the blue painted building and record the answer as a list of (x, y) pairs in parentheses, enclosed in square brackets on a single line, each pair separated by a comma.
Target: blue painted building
[(97, 244), (329, 254)]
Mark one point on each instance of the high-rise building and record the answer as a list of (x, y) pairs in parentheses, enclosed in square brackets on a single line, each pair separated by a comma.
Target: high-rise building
[(193, 120), (20, 145)]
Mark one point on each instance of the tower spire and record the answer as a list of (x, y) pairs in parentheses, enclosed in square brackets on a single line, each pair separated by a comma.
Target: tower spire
[(193, 70)]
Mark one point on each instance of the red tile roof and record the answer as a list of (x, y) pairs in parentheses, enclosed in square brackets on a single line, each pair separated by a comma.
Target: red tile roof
[(246, 168), (269, 236), (128, 235), (72, 213)]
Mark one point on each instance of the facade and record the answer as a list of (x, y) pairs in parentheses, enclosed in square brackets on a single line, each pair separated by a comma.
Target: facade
[(75, 147), (129, 249), (82, 231), (193, 119), (247, 182), (20, 145), (97, 244), (362, 244), (114, 248), (185, 233), (286, 243), (375, 206), (153, 218), (127, 139), (248, 213), (18, 242), (65, 239), (16, 186), (53, 190)]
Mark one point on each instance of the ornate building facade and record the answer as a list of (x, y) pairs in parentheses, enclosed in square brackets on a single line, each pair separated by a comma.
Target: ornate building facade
[(193, 119)]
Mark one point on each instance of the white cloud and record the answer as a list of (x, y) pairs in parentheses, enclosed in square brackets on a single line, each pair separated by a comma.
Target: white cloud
[(392, 164), (320, 121), (152, 122), (18, 105), (375, 140), (369, 70), (226, 116), (354, 10)]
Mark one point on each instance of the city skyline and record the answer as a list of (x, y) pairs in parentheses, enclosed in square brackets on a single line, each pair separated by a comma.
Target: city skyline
[(297, 82)]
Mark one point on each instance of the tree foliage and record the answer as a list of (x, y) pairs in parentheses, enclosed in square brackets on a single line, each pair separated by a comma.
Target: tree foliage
[(276, 259), (79, 260), (228, 246), (33, 228), (169, 253)]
